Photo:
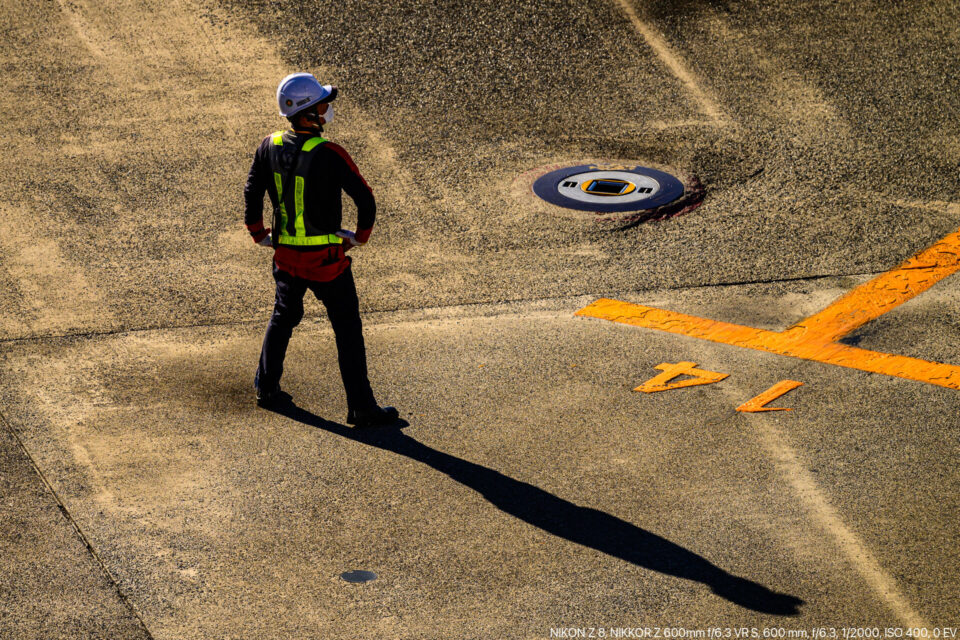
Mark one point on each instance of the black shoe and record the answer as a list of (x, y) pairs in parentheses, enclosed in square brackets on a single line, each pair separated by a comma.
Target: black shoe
[(373, 417), (270, 398)]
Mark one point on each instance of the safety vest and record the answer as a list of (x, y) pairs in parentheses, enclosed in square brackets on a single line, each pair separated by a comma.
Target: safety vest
[(296, 231)]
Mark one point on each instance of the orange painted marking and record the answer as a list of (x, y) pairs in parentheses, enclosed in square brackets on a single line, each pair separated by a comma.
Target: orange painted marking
[(761, 401), (662, 381), (815, 338), (871, 300)]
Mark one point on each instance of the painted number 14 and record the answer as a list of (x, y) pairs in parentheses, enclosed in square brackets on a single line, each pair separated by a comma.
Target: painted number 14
[(667, 380)]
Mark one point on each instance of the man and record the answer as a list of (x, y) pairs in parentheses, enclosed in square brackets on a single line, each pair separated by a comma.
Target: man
[(304, 174)]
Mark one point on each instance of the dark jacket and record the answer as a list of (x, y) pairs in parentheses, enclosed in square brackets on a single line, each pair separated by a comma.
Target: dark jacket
[(331, 171)]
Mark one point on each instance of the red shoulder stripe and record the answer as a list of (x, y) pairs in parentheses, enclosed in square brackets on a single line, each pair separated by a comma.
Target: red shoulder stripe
[(346, 157)]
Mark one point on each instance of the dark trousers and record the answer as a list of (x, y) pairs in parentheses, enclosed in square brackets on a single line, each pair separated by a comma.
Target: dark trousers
[(339, 296)]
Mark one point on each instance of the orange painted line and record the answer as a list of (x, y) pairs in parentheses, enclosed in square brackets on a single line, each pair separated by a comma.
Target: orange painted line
[(639, 315), (760, 402), (786, 343), (815, 337), (871, 300)]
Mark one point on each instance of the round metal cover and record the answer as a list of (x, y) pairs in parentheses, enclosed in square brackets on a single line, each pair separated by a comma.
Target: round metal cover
[(608, 188), (358, 576)]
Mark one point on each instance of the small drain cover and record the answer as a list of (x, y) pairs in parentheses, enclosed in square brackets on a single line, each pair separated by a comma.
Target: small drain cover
[(608, 188), (358, 576)]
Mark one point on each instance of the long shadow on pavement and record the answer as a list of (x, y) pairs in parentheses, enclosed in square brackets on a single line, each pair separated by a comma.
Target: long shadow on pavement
[(583, 525)]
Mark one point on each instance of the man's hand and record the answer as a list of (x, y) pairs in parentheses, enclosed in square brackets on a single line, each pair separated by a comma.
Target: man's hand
[(266, 242), (349, 239)]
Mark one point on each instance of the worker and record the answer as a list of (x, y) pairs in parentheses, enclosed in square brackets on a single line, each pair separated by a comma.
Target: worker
[(304, 174)]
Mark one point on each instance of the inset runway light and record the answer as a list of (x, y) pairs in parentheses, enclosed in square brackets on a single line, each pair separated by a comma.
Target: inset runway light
[(608, 188)]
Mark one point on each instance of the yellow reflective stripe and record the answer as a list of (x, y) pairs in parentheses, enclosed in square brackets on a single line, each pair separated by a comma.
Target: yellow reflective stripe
[(278, 180), (278, 138), (312, 142), (298, 225), (298, 203), (302, 241)]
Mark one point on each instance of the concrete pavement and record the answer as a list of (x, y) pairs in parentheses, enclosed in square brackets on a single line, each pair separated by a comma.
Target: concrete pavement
[(532, 488)]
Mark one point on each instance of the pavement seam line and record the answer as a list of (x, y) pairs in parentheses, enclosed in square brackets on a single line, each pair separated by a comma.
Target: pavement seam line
[(822, 513), (945, 208), (828, 518), (232, 323), (76, 527), (707, 105)]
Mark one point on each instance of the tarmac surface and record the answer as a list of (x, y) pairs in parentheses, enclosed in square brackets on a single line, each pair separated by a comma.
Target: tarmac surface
[(531, 490)]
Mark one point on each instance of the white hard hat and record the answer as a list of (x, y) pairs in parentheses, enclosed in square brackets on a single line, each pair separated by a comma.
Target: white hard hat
[(299, 91)]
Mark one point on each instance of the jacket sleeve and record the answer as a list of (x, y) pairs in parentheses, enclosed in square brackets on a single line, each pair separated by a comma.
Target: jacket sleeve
[(257, 181), (358, 189)]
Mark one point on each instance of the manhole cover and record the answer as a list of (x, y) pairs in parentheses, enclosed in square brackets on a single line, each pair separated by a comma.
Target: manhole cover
[(608, 188), (358, 576)]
